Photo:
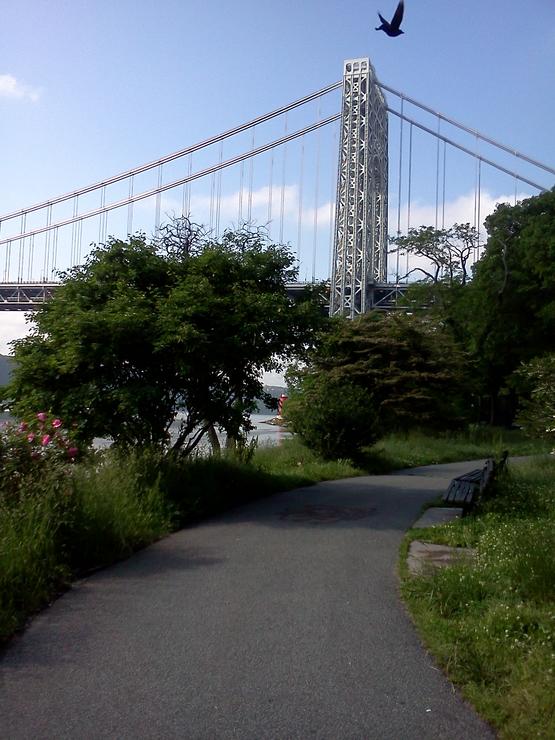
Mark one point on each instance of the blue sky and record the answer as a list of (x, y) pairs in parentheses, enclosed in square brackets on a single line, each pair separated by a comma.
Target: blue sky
[(88, 89)]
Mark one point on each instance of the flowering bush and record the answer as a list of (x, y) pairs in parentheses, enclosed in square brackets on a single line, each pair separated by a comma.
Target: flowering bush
[(31, 451)]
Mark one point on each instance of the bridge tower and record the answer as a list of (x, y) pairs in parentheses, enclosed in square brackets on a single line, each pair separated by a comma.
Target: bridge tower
[(360, 246)]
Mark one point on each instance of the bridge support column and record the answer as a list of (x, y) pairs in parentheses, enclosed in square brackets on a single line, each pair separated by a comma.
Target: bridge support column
[(360, 245)]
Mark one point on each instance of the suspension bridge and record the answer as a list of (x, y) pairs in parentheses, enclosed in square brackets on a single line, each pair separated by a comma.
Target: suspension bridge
[(331, 174)]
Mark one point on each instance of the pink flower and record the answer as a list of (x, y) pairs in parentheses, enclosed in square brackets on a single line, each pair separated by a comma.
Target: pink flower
[(31, 437), (22, 427), (45, 440), (72, 452), (42, 416), (57, 423)]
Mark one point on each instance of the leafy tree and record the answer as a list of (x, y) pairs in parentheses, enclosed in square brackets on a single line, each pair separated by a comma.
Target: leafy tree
[(537, 411), (144, 331), (446, 251), (512, 297), (407, 369)]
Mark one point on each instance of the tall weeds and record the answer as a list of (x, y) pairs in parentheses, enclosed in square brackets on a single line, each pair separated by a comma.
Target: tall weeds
[(492, 625)]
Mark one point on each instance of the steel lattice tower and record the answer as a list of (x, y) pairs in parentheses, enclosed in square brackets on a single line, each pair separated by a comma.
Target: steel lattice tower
[(360, 247)]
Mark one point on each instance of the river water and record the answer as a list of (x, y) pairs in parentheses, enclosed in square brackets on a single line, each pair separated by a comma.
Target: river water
[(267, 434)]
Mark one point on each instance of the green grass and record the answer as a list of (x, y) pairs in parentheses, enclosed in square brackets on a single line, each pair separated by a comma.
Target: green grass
[(114, 512), (492, 625), (418, 448), (31, 569), (81, 518), (299, 466)]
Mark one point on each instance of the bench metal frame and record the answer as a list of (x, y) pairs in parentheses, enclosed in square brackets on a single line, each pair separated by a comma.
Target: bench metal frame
[(466, 490)]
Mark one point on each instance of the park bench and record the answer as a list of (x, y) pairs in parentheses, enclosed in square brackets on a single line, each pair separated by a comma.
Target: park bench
[(466, 490)]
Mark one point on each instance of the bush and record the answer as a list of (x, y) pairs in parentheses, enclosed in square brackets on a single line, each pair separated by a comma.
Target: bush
[(333, 417), (32, 453), (537, 412)]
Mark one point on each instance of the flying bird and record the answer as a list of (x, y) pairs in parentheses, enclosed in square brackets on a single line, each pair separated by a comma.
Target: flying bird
[(392, 29)]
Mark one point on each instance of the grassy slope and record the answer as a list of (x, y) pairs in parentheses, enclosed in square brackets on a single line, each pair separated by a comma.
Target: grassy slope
[(492, 625)]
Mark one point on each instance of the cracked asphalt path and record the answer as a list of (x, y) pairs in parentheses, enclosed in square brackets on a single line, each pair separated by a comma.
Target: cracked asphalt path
[(280, 619)]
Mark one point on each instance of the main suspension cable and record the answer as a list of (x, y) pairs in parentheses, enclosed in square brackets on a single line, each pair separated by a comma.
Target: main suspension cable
[(176, 183)]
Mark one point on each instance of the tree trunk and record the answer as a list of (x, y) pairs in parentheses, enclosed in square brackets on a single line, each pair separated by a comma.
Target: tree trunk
[(214, 441)]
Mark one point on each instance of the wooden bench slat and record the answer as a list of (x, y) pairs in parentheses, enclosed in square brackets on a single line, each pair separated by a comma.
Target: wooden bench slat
[(466, 489)]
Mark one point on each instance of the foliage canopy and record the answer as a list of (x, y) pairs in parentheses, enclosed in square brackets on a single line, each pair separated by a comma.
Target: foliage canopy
[(406, 369), (144, 331)]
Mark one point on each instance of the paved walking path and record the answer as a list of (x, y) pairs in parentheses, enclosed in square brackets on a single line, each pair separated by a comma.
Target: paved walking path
[(281, 619)]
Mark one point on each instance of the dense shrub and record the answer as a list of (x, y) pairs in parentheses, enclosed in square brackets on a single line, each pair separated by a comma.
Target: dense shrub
[(33, 453), (537, 411), (334, 417)]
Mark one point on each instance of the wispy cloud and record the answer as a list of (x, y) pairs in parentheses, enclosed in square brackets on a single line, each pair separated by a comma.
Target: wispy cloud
[(13, 326), (463, 209), (10, 87)]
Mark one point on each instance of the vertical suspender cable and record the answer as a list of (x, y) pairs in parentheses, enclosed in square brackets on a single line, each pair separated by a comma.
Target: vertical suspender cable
[(219, 190), (300, 218), (400, 176), (101, 216), (79, 240), (241, 178), (283, 171), (479, 203), (186, 199), (189, 187), (477, 160), (251, 176), (158, 201), (7, 262), (130, 207), (212, 200), (47, 242), (21, 259), (21, 245), (443, 192), (30, 260), (72, 257), (104, 218), (55, 251), (270, 193), (409, 193), (437, 171), (316, 198), (219, 194)]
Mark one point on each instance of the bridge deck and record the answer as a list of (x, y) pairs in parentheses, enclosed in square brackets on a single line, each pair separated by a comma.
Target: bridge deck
[(27, 296)]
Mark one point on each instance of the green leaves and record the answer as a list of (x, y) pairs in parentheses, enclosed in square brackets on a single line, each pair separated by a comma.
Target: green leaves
[(446, 251), (144, 330), (373, 375)]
